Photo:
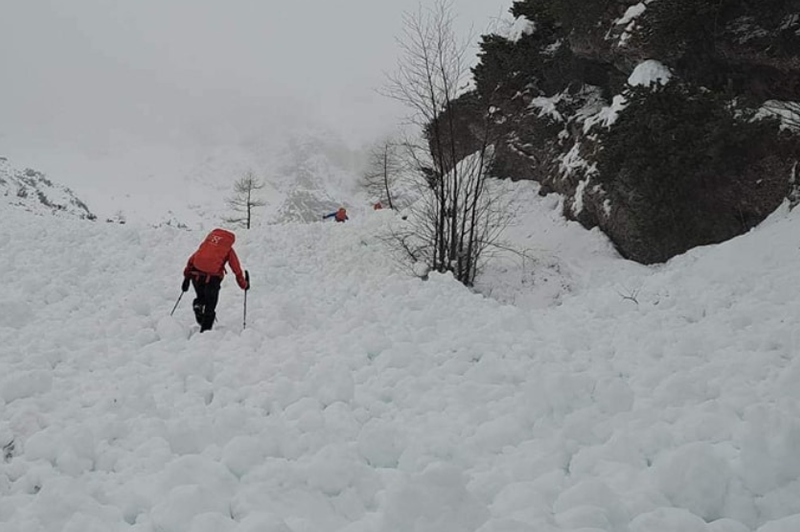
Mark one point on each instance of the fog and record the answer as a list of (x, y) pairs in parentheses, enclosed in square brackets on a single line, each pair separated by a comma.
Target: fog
[(84, 74)]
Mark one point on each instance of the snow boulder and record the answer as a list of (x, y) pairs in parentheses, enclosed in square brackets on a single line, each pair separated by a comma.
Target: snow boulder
[(787, 524), (695, 477), (590, 504), (436, 500), (16, 314), (176, 512), (668, 520), (242, 453), (168, 328), (26, 384)]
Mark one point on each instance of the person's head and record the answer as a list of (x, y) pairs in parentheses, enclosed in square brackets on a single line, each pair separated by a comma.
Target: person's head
[(342, 210)]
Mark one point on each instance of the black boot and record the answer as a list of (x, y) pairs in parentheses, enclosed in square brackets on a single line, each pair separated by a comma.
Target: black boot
[(208, 321), (198, 312)]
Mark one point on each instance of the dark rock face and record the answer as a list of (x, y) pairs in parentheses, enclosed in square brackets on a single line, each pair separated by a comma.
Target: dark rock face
[(660, 167)]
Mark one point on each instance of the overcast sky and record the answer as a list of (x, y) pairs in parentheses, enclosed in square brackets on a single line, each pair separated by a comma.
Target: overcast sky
[(178, 71)]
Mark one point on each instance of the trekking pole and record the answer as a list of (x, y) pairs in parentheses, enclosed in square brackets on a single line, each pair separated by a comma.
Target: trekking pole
[(247, 280), (176, 304)]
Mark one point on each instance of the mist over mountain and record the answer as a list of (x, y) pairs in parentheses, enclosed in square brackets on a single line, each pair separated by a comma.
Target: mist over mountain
[(154, 108), (306, 171)]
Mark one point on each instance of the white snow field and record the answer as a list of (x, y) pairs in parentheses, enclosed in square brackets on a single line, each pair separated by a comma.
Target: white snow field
[(360, 399)]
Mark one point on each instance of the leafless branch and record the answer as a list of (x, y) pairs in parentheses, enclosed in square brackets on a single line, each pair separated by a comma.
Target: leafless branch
[(629, 295)]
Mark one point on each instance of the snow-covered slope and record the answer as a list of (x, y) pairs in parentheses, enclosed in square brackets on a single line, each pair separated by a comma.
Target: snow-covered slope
[(359, 399), (34, 192)]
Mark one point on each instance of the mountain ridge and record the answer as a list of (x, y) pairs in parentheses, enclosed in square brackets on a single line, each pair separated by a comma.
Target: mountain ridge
[(33, 191)]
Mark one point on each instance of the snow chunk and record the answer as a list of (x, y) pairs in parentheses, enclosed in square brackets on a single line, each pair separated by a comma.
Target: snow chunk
[(16, 314), (632, 12), (726, 525), (168, 328), (26, 384), (607, 115), (42, 446), (547, 106), (212, 522), (695, 477), (380, 444), (332, 469), (769, 457), (332, 383), (520, 28), (607, 207), (668, 520), (577, 204), (263, 522), (183, 503), (590, 503), (584, 517), (629, 20), (613, 395), (787, 112), (435, 501), (572, 160), (197, 470), (242, 454), (787, 524), (421, 270), (649, 72)]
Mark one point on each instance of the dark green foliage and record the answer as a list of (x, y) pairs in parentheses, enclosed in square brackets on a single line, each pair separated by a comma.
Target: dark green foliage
[(708, 23), (684, 163), (460, 129), (538, 10), (540, 62), (736, 46), (543, 62), (667, 130), (568, 14), (500, 63), (671, 27)]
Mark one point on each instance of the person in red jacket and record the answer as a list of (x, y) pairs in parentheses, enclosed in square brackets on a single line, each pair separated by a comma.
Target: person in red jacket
[(205, 269), (339, 216)]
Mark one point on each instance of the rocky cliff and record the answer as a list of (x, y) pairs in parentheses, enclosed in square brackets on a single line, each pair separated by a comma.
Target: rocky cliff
[(655, 119)]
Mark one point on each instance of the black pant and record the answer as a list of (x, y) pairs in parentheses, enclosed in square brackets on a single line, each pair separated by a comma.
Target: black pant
[(205, 304)]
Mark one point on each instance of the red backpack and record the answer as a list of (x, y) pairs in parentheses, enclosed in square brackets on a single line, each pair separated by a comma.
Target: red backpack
[(210, 257)]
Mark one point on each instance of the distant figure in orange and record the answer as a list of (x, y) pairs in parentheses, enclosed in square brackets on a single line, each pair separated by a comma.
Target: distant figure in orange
[(339, 216)]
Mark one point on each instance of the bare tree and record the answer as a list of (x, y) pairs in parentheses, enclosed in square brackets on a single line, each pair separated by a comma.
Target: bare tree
[(457, 217), (244, 200), (383, 168)]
